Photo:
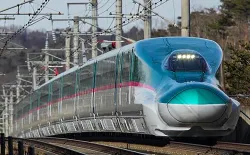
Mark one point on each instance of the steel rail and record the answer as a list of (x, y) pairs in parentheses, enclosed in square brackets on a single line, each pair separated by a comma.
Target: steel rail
[(174, 147), (244, 148), (89, 145), (48, 147), (66, 146), (219, 146)]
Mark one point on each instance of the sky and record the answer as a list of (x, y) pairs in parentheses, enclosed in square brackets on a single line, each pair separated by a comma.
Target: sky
[(169, 10)]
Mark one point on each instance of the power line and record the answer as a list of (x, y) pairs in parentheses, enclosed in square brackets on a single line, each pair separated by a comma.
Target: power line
[(103, 5), (125, 22), (36, 13), (47, 7), (107, 8)]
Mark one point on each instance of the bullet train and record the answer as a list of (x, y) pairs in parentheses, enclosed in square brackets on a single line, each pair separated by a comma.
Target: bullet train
[(159, 86)]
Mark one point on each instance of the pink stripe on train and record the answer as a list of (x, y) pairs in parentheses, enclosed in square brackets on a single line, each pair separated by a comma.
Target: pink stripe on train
[(111, 86)]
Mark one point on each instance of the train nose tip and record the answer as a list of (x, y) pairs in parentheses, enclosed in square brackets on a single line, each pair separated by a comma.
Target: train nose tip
[(195, 105)]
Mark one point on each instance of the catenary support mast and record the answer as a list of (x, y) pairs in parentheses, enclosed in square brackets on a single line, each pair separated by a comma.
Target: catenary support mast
[(148, 19), (118, 23), (185, 18), (67, 51), (46, 59), (76, 40), (94, 28)]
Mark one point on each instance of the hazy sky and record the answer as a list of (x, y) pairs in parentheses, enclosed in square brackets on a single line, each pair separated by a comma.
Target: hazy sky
[(170, 10)]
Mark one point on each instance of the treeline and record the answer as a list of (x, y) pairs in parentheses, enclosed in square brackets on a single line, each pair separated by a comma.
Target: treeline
[(229, 26)]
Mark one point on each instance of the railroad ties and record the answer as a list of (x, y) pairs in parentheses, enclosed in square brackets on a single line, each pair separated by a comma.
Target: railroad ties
[(61, 146), (64, 146), (180, 148)]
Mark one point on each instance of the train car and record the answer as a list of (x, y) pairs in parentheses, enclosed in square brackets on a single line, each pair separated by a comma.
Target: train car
[(160, 86)]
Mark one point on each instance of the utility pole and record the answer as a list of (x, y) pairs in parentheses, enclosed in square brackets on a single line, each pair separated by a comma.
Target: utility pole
[(76, 40), (118, 23), (34, 77), (147, 19), (18, 86), (84, 57), (94, 28), (185, 18), (46, 59), (18, 6), (11, 111), (67, 51), (5, 115)]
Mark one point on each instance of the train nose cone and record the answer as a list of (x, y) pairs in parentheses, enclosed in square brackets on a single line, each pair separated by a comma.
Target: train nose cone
[(196, 105)]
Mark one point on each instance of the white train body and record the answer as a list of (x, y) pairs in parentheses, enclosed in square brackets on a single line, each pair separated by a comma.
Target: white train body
[(134, 90)]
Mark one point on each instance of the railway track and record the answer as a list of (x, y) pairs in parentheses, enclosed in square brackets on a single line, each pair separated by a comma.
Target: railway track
[(64, 146), (245, 148), (85, 147), (186, 148), (44, 147)]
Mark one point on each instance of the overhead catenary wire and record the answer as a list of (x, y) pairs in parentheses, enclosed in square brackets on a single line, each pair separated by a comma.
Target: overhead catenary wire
[(109, 30), (79, 46), (32, 7), (102, 5), (107, 8), (46, 7), (13, 16), (36, 13), (157, 14), (128, 20), (34, 22)]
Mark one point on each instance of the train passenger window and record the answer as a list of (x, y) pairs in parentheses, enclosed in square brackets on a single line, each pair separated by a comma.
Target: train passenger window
[(55, 89), (44, 95), (137, 75), (126, 58), (86, 77), (26, 109), (186, 63), (44, 99), (69, 84), (105, 72)]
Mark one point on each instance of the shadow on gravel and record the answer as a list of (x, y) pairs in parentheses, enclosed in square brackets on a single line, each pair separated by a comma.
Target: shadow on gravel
[(134, 138), (118, 137)]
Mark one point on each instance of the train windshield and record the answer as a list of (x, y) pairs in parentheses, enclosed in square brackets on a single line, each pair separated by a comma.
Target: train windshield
[(186, 63)]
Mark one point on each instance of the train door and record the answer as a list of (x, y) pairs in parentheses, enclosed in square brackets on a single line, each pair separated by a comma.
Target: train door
[(99, 93), (85, 89), (117, 82), (93, 82), (93, 94), (105, 86), (77, 91), (123, 80)]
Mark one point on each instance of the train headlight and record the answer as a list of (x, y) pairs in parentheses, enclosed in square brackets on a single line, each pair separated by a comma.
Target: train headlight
[(185, 56), (186, 62), (179, 56)]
